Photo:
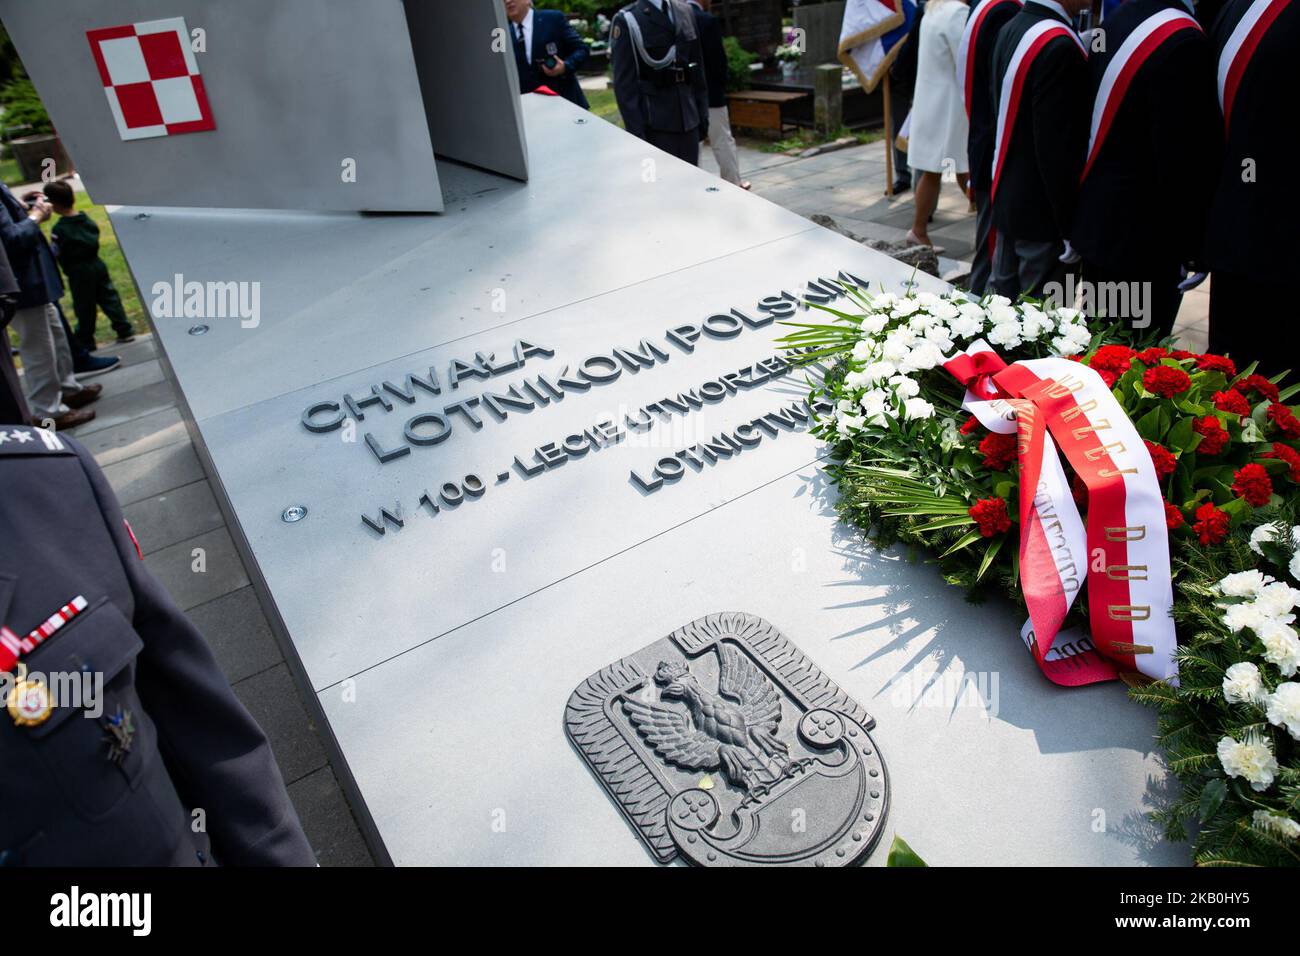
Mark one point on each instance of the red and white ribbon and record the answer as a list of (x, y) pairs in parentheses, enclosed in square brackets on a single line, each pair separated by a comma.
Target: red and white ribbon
[(1124, 545), (12, 647), (1241, 45), (969, 38), (1128, 59), (1013, 83)]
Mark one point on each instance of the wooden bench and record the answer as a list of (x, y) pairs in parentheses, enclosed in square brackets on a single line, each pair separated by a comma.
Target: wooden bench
[(761, 109)]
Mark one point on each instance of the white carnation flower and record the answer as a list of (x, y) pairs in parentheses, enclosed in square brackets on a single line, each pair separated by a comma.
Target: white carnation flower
[(874, 324), (945, 310), (998, 300), (1284, 708), (1066, 346), (1077, 333), (1067, 314), (884, 302), (1281, 646), (1034, 322), (864, 350), (875, 405), (1245, 584), (846, 425), (879, 371), (922, 358), (843, 407), (905, 307), (1276, 601), (905, 387), (917, 408), (895, 350), (921, 321), (1242, 684), (856, 380), (999, 314), (1005, 333), (1251, 759), (928, 299), (1238, 616), (966, 326), (1275, 824), (1295, 566)]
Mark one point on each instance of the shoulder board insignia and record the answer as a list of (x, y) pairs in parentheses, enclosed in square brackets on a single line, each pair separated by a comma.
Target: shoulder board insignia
[(26, 440), (713, 739)]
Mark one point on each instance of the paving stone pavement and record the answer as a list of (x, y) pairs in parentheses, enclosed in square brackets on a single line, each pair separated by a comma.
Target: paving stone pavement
[(142, 444), (140, 440)]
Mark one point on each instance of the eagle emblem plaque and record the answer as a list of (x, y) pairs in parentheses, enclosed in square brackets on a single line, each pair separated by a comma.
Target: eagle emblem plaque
[(723, 744)]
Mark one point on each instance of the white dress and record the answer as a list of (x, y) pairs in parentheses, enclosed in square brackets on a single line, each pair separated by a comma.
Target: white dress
[(939, 126)]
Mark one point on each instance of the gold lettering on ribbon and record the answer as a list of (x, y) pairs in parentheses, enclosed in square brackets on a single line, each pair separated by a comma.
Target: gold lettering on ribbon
[(1113, 472), (1062, 387), (1078, 433), (1136, 533), (1070, 414), (1129, 612), (1126, 572), (1117, 447)]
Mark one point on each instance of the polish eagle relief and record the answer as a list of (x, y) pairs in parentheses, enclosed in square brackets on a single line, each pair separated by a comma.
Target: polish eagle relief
[(724, 745)]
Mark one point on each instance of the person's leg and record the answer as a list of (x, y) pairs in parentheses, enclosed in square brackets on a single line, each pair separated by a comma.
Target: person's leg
[(1247, 323), (107, 298), (900, 102), (39, 335), (1039, 263), (685, 146), (1005, 277), (927, 198), (981, 267), (724, 145), (84, 292)]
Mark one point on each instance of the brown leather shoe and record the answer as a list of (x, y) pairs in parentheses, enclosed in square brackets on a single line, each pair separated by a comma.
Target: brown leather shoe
[(82, 396), (69, 419)]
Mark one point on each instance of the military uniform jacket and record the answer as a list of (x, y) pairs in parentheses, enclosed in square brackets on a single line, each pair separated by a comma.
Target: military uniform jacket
[(193, 746), (1036, 167), (645, 101), (983, 25), (1257, 52), (1155, 144)]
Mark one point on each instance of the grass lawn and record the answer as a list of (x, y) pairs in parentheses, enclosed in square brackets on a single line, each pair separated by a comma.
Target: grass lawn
[(111, 253), (604, 105)]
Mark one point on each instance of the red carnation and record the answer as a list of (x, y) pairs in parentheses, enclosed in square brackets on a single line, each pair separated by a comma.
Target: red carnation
[(1107, 376), (1213, 435), (991, 516), (1257, 384), (1166, 381), (1173, 516), (1153, 355), (1287, 454), (1252, 483), (971, 424), (999, 451), (1164, 461), (1284, 419), (1216, 363), (1115, 359), (1232, 402), (1211, 524), (1182, 355)]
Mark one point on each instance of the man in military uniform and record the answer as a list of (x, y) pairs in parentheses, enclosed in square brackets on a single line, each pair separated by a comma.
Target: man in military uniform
[(121, 742), (659, 79)]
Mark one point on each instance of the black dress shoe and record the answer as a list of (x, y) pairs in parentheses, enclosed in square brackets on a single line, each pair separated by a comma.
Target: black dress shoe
[(901, 185)]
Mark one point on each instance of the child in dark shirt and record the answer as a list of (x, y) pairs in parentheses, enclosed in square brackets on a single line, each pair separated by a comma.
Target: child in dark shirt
[(76, 244)]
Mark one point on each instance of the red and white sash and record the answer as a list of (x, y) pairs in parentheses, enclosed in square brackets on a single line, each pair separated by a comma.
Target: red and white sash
[(969, 36), (1125, 544), (1013, 83), (1132, 53), (1241, 46)]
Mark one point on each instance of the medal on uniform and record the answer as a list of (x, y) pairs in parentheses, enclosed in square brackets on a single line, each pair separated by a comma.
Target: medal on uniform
[(119, 732), (30, 704)]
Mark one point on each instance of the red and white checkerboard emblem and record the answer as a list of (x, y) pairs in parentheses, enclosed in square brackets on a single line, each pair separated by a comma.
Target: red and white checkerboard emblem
[(151, 78)]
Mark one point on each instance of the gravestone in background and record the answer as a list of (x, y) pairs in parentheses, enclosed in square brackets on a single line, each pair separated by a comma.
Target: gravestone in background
[(821, 25)]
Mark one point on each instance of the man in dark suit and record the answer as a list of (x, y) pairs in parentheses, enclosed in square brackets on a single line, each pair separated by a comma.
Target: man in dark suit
[(1153, 156), (1042, 130), (974, 72), (53, 394), (659, 79), (123, 744), (548, 51), (1249, 247), (13, 406)]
